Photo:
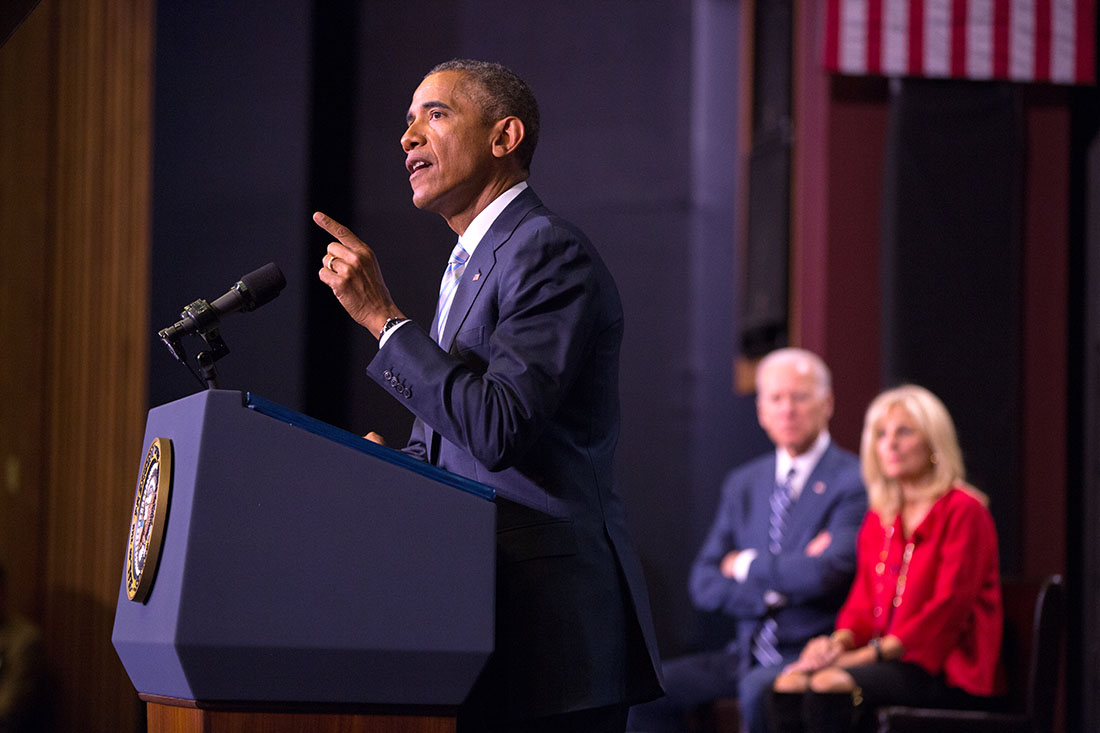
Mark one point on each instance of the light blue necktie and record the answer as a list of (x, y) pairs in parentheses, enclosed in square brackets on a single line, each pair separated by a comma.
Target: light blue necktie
[(765, 644), (455, 267)]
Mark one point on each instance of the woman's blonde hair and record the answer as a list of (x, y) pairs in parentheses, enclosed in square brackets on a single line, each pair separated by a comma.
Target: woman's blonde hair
[(938, 430)]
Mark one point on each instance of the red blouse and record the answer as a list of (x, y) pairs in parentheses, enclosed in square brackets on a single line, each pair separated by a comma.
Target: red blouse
[(938, 591)]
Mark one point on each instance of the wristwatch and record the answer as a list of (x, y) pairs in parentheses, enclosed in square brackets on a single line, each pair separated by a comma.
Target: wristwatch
[(876, 644), (390, 323)]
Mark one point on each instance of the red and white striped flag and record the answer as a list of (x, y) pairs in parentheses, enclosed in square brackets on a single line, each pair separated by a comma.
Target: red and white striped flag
[(1019, 40)]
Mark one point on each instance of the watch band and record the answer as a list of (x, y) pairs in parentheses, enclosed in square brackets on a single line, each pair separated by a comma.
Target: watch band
[(390, 323), (876, 644)]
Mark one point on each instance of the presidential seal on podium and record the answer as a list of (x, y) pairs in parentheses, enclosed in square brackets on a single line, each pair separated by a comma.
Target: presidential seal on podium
[(147, 521)]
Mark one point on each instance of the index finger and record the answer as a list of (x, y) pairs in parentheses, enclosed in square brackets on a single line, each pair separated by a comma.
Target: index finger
[(335, 228)]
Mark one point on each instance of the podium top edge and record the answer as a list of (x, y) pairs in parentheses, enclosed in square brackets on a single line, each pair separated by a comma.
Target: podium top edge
[(358, 443)]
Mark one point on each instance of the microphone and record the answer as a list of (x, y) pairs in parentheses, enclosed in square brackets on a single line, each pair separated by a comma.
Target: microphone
[(249, 293)]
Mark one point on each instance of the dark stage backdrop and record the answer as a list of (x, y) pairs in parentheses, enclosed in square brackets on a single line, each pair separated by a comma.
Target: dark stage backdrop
[(951, 268), (230, 183), (266, 114)]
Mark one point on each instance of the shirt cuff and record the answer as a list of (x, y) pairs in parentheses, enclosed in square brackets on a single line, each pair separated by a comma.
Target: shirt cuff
[(741, 565), (385, 337)]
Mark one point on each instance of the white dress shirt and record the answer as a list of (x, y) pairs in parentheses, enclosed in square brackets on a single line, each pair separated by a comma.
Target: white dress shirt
[(474, 233)]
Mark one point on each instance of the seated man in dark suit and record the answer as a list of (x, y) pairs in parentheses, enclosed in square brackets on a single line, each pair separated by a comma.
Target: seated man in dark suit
[(780, 556)]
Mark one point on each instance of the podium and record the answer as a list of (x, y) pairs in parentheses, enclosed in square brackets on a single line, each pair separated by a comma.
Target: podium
[(305, 578)]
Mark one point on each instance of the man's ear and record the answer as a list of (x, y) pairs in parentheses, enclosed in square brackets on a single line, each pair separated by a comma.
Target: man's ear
[(507, 135)]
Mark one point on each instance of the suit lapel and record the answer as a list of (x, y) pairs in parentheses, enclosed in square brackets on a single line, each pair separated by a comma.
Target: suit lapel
[(477, 273), (816, 490), (483, 261)]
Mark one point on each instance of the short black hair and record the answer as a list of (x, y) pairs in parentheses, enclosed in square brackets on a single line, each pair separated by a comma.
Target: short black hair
[(503, 94)]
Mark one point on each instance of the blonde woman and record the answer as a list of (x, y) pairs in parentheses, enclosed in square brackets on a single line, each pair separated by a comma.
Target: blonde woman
[(922, 622)]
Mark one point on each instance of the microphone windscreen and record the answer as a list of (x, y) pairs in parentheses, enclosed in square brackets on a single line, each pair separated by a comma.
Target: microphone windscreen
[(263, 285)]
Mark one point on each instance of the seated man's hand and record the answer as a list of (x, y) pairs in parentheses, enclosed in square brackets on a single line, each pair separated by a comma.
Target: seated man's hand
[(819, 544), (726, 566), (375, 438)]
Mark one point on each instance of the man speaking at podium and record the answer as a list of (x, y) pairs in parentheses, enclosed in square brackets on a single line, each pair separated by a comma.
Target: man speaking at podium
[(515, 384)]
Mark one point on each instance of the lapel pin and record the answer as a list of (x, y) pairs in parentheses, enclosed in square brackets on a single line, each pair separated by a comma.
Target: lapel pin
[(477, 276), (819, 487)]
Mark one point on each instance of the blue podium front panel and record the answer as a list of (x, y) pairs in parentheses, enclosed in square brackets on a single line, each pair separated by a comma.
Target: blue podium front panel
[(297, 568)]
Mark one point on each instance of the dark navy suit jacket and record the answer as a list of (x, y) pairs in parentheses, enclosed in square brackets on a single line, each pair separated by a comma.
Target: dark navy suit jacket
[(833, 499), (524, 397)]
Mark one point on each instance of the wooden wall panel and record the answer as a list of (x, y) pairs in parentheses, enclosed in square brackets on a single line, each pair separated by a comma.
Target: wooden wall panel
[(81, 205), (98, 336), (25, 105)]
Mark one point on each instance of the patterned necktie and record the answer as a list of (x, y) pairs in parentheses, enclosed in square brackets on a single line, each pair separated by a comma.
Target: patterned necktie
[(455, 267), (765, 644), (780, 506)]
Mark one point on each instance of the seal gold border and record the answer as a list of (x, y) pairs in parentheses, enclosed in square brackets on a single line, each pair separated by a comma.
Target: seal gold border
[(147, 520)]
